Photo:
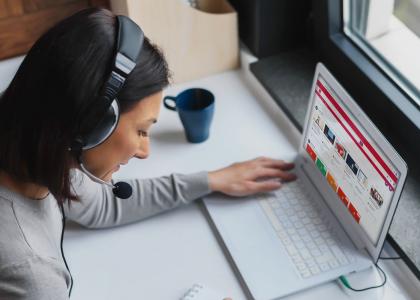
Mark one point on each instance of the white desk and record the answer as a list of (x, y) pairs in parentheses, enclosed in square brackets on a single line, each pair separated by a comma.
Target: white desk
[(161, 257)]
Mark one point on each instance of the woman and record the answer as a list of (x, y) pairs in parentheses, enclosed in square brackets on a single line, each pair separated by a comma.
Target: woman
[(55, 98)]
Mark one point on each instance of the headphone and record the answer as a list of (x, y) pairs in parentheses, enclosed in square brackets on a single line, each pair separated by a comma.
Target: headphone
[(130, 39)]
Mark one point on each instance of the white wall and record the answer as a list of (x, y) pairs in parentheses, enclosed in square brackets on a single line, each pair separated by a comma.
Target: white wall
[(8, 68)]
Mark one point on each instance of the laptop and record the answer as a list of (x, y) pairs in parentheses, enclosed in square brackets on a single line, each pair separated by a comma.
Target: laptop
[(333, 219)]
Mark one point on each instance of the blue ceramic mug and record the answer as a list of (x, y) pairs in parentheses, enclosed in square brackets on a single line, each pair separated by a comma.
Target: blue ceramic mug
[(195, 108)]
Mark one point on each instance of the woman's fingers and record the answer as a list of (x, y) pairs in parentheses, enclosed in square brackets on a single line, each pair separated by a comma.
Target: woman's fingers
[(262, 186), (274, 173), (279, 164), (274, 163), (250, 177)]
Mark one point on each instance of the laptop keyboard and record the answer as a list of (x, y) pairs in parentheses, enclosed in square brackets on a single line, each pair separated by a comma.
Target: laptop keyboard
[(306, 235)]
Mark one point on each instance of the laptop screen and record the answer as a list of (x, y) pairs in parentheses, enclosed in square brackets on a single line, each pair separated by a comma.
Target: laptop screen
[(363, 178)]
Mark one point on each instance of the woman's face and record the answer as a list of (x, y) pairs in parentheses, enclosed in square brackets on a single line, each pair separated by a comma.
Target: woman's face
[(130, 139)]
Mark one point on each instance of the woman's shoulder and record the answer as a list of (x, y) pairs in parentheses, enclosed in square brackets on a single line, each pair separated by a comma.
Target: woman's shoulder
[(13, 246), (26, 230)]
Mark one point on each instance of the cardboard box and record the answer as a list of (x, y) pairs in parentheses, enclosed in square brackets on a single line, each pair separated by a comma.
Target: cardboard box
[(196, 42)]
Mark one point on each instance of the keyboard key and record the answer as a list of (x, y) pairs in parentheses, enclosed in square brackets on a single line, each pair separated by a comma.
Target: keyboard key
[(324, 248), (322, 227), (275, 205), (302, 231), (325, 258), (292, 250), (306, 238), (287, 241), (285, 205), (290, 212), (331, 242), (300, 245), (296, 258), (315, 234), (294, 219), (282, 234), (312, 214), (310, 227), (311, 245), (334, 263), (301, 214), (317, 221), (339, 255), (310, 263), (326, 235), (306, 221), (305, 254), (271, 216), (290, 195), (324, 267), (295, 238), (305, 273), (294, 202), (315, 270), (298, 225), (287, 224), (301, 266), (316, 252), (343, 260)]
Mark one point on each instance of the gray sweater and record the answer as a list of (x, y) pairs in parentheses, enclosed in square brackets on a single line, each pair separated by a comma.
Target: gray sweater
[(31, 265)]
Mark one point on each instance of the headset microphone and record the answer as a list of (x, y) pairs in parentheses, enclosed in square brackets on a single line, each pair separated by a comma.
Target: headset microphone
[(122, 190)]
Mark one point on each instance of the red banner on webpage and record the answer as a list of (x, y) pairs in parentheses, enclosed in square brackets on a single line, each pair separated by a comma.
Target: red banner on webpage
[(362, 144)]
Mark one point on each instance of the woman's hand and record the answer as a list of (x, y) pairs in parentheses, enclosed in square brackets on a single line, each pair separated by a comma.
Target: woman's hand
[(261, 174)]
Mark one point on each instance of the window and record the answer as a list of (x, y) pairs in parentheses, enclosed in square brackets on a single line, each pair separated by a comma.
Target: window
[(388, 32)]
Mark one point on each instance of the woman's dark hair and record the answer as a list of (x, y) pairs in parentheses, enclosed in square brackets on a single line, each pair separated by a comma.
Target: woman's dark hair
[(55, 96)]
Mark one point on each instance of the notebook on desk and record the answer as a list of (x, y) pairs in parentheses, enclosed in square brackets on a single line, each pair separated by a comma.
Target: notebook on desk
[(333, 219)]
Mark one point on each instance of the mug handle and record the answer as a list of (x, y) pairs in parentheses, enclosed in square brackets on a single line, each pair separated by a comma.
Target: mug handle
[(168, 99)]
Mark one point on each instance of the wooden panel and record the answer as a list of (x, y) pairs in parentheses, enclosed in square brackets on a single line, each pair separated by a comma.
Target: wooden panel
[(35, 5), (17, 34), (10, 8), (100, 3)]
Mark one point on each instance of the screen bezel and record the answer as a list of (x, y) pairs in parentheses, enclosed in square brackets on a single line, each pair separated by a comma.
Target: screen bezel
[(353, 229)]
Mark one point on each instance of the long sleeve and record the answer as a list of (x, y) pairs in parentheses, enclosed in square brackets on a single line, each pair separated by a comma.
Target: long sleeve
[(99, 208), (34, 278)]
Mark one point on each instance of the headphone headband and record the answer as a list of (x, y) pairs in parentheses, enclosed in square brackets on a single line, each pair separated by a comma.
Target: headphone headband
[(127, 52)]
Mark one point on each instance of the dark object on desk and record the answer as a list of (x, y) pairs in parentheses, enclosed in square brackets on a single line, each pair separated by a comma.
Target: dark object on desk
[(270, 26), (288, 78), (195, 107)]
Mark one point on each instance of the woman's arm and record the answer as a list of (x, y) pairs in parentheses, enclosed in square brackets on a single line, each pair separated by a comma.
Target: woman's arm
[(99, 208)]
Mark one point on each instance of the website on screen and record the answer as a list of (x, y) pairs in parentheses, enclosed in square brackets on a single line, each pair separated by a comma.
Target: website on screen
[(363, 178)]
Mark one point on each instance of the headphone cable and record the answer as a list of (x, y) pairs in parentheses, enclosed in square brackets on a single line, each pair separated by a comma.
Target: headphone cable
[(61, 246)]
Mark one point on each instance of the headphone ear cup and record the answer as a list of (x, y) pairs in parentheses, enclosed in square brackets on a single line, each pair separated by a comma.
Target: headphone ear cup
[(104, 128)]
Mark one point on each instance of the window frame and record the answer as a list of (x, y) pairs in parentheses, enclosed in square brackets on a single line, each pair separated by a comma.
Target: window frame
[(377, 94)]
